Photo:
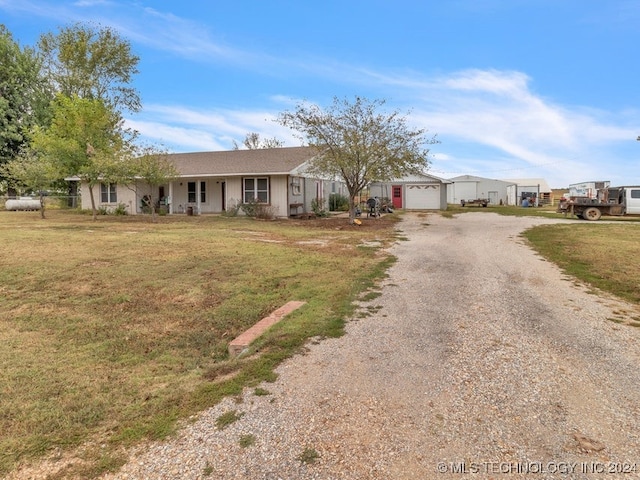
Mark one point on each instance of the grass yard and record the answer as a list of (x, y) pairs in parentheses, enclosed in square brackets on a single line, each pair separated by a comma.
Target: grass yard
[(604, 255), (111, 332), (547, 211)]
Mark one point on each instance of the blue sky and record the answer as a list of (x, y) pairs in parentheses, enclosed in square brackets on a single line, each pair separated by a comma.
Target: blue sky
[(512, 88)]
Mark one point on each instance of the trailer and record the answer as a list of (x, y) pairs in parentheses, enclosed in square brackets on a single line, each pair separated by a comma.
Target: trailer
[(611, 201), (478, 202)]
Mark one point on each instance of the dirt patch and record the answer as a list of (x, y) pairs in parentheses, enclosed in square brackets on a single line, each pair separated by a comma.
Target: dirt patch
[(342, 223)]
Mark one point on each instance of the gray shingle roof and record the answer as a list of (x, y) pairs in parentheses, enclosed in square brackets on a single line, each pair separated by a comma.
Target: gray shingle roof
[(264, 161)]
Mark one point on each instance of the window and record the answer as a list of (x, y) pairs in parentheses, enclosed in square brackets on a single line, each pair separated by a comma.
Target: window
[(108, 193), (203, 192), (256, 189), (397, 191), (191, 192), (295, 185), (635, 193)]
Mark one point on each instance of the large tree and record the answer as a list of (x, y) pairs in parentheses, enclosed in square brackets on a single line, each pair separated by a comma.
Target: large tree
[(24, 98), (359, 143), (148, 169), (252, 141), (86, 139), (92, 63)]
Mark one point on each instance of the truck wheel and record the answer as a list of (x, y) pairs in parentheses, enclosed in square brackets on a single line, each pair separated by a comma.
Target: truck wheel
[(592, 213)]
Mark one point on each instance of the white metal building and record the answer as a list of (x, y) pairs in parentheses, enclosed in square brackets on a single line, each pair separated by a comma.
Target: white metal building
[(470, 187)]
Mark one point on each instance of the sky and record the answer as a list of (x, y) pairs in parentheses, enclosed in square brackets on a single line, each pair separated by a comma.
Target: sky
[(510, 88)]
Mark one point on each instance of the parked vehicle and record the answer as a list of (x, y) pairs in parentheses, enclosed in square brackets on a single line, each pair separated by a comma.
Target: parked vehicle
[(479, 202), (615, 201)]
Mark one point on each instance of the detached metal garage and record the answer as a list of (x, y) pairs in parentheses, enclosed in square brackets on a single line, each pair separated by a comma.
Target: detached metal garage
[(422, 196), (416, 192)]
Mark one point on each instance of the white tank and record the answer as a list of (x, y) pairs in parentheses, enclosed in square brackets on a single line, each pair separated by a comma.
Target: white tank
[(23, 203)]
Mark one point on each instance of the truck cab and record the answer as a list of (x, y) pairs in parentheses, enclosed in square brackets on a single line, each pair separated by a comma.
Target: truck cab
[(632, 200), (614, 201)]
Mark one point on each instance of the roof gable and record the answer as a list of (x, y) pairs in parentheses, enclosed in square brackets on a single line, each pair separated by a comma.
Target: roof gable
[(473, 178), (262, 161), (420, 177)]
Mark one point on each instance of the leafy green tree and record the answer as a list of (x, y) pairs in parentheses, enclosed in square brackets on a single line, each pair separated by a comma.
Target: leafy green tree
[(86, 139), (253, 142), (150, 168), (92, 63), (24, 98), (358, 143), (29, 172)]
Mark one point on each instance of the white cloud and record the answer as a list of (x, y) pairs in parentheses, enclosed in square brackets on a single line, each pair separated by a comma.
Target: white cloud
[(92, 3), (490, 123), (497, 114), (182, 128), (170, 136)]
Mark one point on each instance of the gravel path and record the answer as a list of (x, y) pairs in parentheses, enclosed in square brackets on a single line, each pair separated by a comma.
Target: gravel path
[(481, 357)]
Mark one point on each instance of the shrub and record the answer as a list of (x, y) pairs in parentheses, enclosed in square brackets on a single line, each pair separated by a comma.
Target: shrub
[(338, 203), (265, 212), (317, 207), (232, 209), (249, 208), (259, 210), (121, 209)]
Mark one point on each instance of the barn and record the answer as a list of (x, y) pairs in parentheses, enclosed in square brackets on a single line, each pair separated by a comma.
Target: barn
[(470, 187)]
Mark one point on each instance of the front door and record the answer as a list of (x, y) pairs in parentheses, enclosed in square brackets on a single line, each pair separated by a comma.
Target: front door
[(396, 196)]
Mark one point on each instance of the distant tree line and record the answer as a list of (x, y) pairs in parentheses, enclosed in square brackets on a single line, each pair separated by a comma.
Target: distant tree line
[(61, 116), (61, 112)]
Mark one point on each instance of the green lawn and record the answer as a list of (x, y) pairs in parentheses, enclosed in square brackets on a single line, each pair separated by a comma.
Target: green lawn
[(111, 331), (604, 255)]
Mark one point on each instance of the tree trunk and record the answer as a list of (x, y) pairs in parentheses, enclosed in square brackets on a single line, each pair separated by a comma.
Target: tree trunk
[(93, 203), (41, 205), (352, 209)]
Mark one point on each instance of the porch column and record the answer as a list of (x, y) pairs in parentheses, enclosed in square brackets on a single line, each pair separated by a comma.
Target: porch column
[(198, 185), (170, 198)]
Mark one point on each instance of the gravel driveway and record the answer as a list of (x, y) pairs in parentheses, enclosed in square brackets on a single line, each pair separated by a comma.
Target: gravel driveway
[(479, 357)]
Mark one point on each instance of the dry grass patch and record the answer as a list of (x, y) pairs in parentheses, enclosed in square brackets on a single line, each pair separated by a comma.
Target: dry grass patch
[(606, 256), (115, 330)]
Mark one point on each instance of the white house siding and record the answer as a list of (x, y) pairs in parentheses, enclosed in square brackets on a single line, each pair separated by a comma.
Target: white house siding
[(125, 196), (214, 194), (279, 195), (234, 191)]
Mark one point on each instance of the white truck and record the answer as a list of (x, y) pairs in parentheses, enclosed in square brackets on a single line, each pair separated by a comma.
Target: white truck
[(615, 201)]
